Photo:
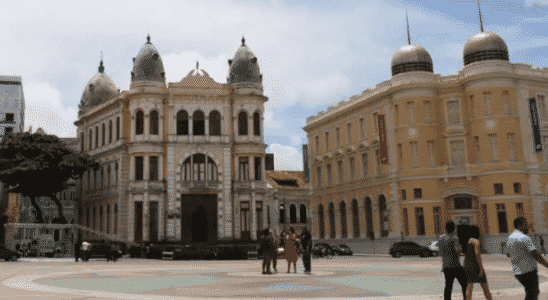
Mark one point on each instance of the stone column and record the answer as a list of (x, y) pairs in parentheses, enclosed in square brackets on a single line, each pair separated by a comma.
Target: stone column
[(376, 218), (190, 128), (253, 224), (146, 214), (131, 220), (206, 125), (349, 220), (394, 207), (363, 221), (337, 218)]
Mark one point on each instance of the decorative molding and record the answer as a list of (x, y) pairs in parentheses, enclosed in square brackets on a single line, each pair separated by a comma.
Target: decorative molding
[(459, 190)]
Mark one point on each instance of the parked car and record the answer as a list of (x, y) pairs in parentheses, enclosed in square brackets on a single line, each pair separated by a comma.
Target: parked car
[(8, 255), (341, 249), (322, 250), (435, 248), (102, 250), (399, 249)]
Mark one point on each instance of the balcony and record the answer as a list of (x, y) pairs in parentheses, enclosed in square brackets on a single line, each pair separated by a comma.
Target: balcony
[(457, 171), (454, 128)]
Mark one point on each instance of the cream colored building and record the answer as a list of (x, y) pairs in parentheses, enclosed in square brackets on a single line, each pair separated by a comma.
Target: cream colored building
[(460, 147), (181, 161)]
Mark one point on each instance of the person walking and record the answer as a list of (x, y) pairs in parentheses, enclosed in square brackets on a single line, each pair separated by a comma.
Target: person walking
[(274, 251), (523, 254), (266, 251), (86, 248), (473, 264), (306, 242), (449, 247), (291, 250)]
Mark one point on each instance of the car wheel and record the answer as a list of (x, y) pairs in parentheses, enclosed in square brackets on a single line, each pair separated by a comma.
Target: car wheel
[(397, 255), (329, 254)]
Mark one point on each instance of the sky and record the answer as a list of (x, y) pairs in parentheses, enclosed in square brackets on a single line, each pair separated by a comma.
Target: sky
[(312, 54)]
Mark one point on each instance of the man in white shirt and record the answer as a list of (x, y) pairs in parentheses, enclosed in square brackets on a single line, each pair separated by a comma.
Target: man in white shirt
[(449, 246), (522, 255)]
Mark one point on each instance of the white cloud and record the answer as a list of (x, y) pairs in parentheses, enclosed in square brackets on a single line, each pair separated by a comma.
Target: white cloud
[(286, 158), (269, 120), (43, 108)]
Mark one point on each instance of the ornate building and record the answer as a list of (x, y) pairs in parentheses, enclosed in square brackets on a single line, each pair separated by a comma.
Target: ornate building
[(421, 148), (181, 161)]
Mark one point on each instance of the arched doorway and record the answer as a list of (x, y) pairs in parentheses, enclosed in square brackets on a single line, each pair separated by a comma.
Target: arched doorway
[(344, 231), (383, 216), (199, 218), (199, 225), (331, 213), (321, 221), (369, 218), (355, 219)]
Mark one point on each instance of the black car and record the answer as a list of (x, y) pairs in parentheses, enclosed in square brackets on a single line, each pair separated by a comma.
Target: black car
[(399, 249), (322, 250), (8, 255), (102, 250), (341, 249)]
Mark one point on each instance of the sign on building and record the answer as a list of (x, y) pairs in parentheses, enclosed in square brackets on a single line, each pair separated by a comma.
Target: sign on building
[(537, 143), (382, 139)]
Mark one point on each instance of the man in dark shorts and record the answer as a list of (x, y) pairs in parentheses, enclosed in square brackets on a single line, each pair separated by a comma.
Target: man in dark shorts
[(449, 246)]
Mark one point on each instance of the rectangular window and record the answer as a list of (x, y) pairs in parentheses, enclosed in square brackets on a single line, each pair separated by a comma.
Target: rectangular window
[(138, 225), (400, 157), (319, 175), (487, 97), (501, 216), (512, 147), (245, 219), (352, 169), (329, 182), (8, 130), (403, 195), (349, 133), (116, 173), (375, 123), (362, 129), (432, 153), (519, 209), (338, 137), (453, 112), (506, 99), (411, 114), (417, 193), (153, 168), (498, 189), (457, 153), (415, 152), (9, 117), (427, 111), (405, 222), (108, 218), (138, 168), (96, 137), (437, 220), (517, 188), (108, 175), (419, 214), (317, 148), (115, 218), (327, 141), (493, 145), (365, 166), (541, 107), (258, 168), (341, 177), (244, 169)]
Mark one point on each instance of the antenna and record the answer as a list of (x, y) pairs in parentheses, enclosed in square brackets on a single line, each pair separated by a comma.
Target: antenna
[(408, 35), (481, 21)]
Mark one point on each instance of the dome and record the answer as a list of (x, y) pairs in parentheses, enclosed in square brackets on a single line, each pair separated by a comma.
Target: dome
[(484, 46), (147, 65), (411, 58), (244, 66), (99, 89)]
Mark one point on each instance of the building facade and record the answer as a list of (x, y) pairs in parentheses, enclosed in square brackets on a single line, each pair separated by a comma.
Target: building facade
[(420, 149), (180, 161), (12, 104)]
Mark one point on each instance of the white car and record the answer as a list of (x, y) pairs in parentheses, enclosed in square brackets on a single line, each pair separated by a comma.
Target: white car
[(434, 247)]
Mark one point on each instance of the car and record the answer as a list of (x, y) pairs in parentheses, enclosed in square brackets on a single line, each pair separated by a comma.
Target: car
[(341, 249), (8, 255), (102, 250), (434, 247), (322, 250), (399, 249)]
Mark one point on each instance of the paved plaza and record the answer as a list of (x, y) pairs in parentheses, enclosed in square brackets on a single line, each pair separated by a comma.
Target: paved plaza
[(358, 277)]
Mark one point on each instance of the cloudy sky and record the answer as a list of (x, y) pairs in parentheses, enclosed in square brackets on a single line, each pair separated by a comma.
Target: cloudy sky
[(312, 53)]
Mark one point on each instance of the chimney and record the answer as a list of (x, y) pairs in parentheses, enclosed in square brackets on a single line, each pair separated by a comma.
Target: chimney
[(269, 161), (305, 163)]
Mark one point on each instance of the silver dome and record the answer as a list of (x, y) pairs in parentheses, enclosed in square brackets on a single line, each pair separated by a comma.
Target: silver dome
[(148, 65), (244, 66), (99, 89), (484, 46), (411, 58)]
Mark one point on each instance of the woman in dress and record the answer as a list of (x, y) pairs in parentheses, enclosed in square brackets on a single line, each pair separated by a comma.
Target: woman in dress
[(291, 251), (473, 264)]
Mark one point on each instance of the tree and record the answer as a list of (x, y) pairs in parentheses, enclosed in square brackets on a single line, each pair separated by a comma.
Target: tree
[(36, 165)]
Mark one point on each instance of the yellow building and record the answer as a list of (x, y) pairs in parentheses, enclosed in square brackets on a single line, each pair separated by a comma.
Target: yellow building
[(460, 147)]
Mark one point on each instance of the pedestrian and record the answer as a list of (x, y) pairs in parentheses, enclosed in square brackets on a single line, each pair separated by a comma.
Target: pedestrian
[(449, 247), (266, 251), (77, 251), (306, 241), (473, 264), (523, 254), (86, 249), (274, 252), (542, 250), (291, 250)]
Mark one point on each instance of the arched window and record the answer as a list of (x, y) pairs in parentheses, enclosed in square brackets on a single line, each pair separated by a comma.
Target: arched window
[(355, 219), (257, 124), (110, 131), (198, 167), (369, 218), (321, 221), (139, 122), (331, 212), (198, 123), (292, 214), (182, 122), (214, 123), (242, 123), (103, 135), (282, 214), (117, 128), (153, 123), (344, 230), (302, 212), (383, 213), (212, 173)]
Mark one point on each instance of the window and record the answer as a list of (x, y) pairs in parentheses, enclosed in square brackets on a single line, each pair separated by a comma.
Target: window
[(101, 218), (258, 168), (153, 168), (400, 157), (420, 221), (9, 117), (344, 230), (375, 123), (82, 141), (259, 214), (415, 152), (138, 168), (245, 217), (214, 123), (317, 148), (282, 214), (365, 167), (487, 97), (8, 130), (213, 174), (519, 209), (108, 175), (437, 220), (244, 169), (517, 188), (329, 182), (338, 137), (352, 169), (498, 189), (108, 218), (417, 193), (512, 147), (182, 122), (302, 213), (319, 175), (327, 141), (198, 123), (199, 167), (102, 178), (331, 212), (139, 122), (362, 129), (453, 112), (242, 123), (462, 203), (103, 135), (115, 218), (90, 139), (153, 126), (292, 214), (117, 128), (411, 114), (341, 174), (541, 107), (349, 133), (403, 195), (110, 131), (88, 219), (321, 221), (501, 216), (405, 222), (256, 124), (397, 114), (96, 137), (95, 218), (432, 153), (457, 153), (493, 145), (427, 111), (505, 98), (116, 173)]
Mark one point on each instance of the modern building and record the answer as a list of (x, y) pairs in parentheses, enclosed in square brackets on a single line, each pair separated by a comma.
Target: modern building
[(12, 104), (419, 149), (180, 161)]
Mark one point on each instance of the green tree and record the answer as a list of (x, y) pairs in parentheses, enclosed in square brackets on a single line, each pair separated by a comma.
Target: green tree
[(36, 165)]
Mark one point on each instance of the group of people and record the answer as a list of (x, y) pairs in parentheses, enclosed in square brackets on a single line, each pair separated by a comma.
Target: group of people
[(292, 245), (520, 248)]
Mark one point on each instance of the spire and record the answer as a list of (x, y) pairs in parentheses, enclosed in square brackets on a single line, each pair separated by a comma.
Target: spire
[(243, 41), (197, 65), (101, 67), (408, 35), (481, 21), (148, 39)]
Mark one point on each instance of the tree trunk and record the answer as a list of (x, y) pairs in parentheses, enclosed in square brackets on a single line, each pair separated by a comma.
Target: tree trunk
[(61, 218), (38, 211)]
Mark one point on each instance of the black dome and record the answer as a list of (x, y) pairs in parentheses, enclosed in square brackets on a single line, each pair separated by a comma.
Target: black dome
[(244, 67), (148, 64)]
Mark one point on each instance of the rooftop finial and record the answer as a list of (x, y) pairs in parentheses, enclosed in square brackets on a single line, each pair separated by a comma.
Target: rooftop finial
[(481, 21), (101, 67), (197, 65), (408, 35), (148, 38), (243, 41)]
